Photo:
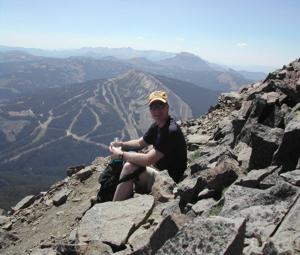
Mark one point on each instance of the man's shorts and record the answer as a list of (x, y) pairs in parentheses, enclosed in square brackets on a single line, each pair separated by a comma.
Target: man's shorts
[(144, 183)]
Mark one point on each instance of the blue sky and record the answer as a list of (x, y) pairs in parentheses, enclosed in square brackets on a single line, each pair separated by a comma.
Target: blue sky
[(232, 32)]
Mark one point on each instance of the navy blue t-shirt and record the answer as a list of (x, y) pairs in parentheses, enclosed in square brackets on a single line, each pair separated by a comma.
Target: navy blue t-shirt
[(170, 141)]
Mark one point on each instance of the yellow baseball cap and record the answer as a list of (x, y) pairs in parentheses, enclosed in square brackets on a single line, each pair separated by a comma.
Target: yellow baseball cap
[(158, 96)]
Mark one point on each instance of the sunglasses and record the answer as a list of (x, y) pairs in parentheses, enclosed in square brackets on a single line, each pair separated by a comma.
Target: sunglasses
[(158, 106)]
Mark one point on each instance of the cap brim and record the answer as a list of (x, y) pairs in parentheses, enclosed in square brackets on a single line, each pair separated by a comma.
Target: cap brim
[(157, 99)]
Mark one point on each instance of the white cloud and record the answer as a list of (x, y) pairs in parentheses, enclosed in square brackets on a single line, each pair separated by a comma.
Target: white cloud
[(242, 44)]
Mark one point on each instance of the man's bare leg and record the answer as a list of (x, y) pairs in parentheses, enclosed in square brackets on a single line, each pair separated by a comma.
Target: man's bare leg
[(125, 189)]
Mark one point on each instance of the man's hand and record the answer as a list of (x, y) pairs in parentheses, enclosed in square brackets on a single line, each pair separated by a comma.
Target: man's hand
[(116, 144), (116, 152)]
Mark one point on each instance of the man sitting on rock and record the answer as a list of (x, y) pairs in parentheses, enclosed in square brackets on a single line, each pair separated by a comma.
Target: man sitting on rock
[(168, 152)]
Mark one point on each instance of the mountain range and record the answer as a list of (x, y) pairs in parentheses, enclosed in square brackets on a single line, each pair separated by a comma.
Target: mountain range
[(183, 66)]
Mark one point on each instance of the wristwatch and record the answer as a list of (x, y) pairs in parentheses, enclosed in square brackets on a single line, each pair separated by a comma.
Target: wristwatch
[(121, 156)]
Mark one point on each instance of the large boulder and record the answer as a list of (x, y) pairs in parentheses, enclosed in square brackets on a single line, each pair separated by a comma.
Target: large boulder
[(84, 173), (209, 236), (148, 241), (255, 177), (209, 156), (224, 134), (162, 189), (114, 222), (223, 174), (287, 236), (288, 152), (189, 189), (264, 142), (61, 196), (25, 202), (263, 209), (203, 205), (292, 177)]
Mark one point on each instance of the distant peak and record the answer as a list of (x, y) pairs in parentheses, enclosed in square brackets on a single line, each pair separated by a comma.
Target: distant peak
[(187, 54)]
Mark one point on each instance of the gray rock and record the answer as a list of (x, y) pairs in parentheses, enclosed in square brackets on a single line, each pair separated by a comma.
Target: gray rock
[(263, 209), (224, 174), (209, 155), (162, 189), (259, 115), (113, 222), (72, 236), (46, 251), (84, 174), (232, 96), (210, 236), (4, 220), (61, 197), (292, 177), (266, 86), (287, 236), (194, 129), (264, 142), (6, 239), (272, 179), (269, 249), (203, 205), (224, 133), (7, 225), (254, 177), (245, 110), (288, 153), (273, 97), (243, 153), (74, 169), (145, 241), (189, 188), (94, 248), (197, 139), (253, 246), (25, 202), (171, 207)]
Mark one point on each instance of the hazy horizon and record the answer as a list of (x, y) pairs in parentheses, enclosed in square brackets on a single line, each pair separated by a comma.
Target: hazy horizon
[(249, 68), (233, 33)]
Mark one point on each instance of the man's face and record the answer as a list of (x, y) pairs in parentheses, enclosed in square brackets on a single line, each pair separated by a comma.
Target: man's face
[(159, 111)]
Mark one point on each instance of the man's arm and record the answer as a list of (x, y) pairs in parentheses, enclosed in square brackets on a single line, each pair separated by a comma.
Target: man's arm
[(143, 159), (140, 159), (135, 144)]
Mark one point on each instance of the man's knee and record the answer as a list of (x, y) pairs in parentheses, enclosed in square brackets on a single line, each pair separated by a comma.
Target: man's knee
[(128, 168)]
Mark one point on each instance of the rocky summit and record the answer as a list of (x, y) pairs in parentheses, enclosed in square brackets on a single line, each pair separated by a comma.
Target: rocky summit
[(239, 195)]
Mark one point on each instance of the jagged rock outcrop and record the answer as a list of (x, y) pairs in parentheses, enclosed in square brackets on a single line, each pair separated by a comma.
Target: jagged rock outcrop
[(240, 193)]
